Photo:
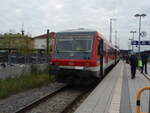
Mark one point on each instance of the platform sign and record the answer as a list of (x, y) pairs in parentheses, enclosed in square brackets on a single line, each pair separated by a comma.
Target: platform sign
[(145, 42), (143, 34), (141, 43), (134, 43)]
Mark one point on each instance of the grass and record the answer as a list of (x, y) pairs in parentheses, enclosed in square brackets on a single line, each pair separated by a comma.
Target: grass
[(22, 83)]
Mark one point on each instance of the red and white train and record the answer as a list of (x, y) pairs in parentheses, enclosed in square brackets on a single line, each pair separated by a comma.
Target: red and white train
[(81, 56)]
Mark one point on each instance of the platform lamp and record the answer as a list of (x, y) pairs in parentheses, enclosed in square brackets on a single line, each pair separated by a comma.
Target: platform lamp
[(110, 33), (139, 15), (132, 32), (47, 44)]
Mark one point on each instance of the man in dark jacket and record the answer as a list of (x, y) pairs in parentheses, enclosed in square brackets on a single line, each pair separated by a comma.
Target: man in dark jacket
[(144, 57), (133, 64)]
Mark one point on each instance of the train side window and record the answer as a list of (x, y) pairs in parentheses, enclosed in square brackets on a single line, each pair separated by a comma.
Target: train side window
[(109, 51), (104, 49)]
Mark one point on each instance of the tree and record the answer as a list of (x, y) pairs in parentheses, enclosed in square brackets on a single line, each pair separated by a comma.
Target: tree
[(24, 44)]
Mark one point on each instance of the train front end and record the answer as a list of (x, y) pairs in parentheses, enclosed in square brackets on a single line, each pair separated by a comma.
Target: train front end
[(72, 61)]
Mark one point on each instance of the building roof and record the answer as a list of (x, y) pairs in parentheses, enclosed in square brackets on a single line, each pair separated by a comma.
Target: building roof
[(41, 36), (52, 34)]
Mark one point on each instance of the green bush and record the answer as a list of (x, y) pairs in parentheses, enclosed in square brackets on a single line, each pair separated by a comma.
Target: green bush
[(35, 70), (15, 85)]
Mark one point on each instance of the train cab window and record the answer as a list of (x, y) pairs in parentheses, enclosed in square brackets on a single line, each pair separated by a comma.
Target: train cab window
[(104, 49), (83, 45), (64, 45)]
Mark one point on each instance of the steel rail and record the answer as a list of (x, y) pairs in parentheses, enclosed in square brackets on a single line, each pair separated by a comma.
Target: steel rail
[(39, 101)]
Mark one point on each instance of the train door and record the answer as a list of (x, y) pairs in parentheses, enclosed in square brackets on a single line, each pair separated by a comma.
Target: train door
[(101, 56)]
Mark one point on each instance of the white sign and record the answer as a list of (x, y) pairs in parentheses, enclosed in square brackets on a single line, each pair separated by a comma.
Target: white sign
[(143, 34)]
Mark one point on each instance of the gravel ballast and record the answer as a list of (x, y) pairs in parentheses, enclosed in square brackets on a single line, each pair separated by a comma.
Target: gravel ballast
[(57, 103), (15, 102)]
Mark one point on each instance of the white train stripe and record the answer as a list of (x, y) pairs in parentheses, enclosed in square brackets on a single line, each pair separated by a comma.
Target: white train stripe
[(93, 69), (97, 68)]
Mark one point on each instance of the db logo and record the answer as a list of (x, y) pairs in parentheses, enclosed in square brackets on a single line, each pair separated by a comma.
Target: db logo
[(71, 63)]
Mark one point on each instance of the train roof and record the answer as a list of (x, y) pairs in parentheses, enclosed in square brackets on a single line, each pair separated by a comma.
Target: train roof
[(80, 30), (85, 30)]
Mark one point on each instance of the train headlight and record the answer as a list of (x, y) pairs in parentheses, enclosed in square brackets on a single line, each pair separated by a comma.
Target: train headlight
[(87, 65), (56, 63)]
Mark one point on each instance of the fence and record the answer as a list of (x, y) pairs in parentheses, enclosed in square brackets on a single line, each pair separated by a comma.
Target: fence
[(32, 59), (22, 59), (23, 69)]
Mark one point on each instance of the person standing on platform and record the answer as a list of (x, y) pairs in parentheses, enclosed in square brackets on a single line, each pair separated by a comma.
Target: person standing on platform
[(133, 63), (144, 57)]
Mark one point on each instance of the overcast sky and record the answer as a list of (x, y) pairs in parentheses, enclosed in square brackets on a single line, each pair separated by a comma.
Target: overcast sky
[(57, 15)]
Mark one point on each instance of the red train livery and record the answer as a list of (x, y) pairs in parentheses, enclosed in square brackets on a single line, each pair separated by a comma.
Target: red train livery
[(81, 56)]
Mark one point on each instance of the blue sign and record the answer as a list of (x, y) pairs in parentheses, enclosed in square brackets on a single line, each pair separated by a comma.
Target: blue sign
[(141, 43), (134, 43)]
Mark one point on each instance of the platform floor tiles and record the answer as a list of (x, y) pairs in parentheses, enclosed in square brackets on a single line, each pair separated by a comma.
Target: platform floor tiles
[(99, 101), (117, 93), (134, 85)]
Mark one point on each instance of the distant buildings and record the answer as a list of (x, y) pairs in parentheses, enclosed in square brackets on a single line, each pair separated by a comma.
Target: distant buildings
[(19, 41), (40, 42)]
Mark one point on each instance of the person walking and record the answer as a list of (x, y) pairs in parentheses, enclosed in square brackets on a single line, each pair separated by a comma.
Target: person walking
[(144, 57), (133, 64)]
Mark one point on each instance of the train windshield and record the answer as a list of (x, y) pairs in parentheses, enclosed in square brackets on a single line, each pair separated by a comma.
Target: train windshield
[(74, 44), (64, 45)]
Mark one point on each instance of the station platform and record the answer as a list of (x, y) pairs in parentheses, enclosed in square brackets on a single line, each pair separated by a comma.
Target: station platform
[(117, 93)]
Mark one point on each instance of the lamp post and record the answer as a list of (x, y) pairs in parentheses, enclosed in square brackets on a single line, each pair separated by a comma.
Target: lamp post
[(129, 45), (110, 34), (118, 43), (130, 41), (139, 15), (116, 38), (132, 38), (47, 45)]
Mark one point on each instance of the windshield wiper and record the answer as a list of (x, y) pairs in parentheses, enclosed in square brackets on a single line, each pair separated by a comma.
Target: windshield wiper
[(84, 51), (57, 50)]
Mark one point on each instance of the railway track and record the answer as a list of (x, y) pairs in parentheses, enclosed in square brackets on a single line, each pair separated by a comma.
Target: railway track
[(60, 101), (70, 108), (39, 101)]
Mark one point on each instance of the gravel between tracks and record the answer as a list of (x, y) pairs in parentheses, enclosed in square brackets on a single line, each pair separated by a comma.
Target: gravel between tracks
[(13, 103), (78, 103), (57, 103)]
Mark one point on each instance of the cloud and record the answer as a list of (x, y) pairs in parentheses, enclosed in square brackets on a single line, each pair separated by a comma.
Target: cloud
[(38, 15)]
